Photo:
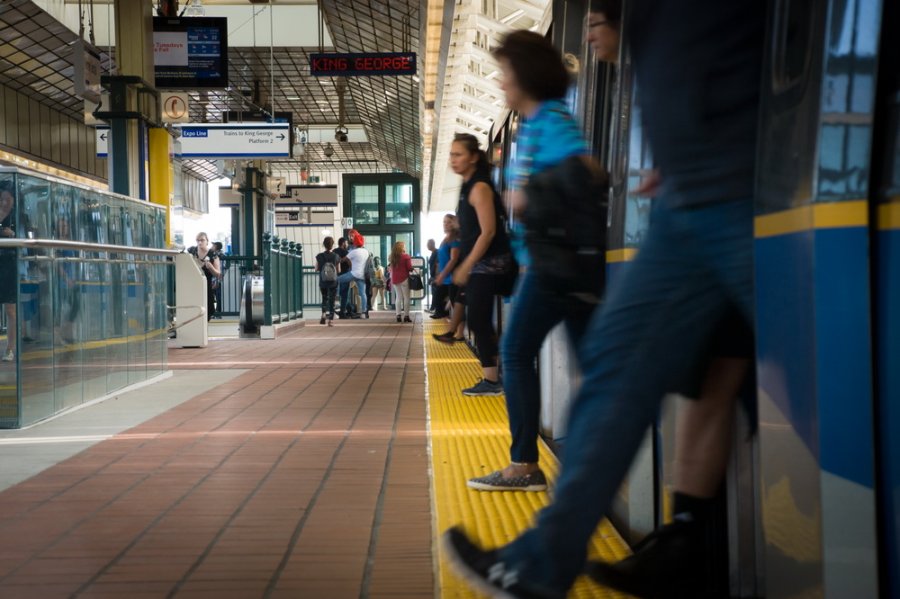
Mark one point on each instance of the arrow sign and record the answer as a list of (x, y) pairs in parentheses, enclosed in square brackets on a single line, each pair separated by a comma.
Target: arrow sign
[(235, 140), (101, 137)]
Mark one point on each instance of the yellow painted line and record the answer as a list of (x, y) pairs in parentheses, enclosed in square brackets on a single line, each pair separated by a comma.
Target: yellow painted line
[(623, 255), (37, 354), (889, 216), (470, 437), (833, 215)]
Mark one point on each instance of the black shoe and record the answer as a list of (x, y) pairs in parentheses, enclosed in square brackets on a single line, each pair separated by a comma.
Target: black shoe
[(367, 315), (439, 315), (407, 319), (322, 320), (669, 563), (447, 338), (399, 319), (484, 571)]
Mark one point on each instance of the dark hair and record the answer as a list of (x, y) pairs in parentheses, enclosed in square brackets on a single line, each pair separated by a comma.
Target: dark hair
[(341, 241), (328, 243), (611, 9), (538, 67), (7, 185), (218, 245), (470, 143)]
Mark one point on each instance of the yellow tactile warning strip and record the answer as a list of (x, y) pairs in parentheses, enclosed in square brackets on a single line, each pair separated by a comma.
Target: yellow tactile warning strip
[(469, 437)]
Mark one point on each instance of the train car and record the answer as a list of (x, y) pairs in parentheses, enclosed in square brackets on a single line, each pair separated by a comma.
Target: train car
[(810, 505)]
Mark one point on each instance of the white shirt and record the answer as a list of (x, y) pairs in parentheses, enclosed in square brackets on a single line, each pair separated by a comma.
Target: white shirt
[(358, 258)]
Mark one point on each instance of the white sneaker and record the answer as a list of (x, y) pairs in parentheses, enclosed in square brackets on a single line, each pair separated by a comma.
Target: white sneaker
[(9, 356)]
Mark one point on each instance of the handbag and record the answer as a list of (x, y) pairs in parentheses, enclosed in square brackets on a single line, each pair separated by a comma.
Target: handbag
[(415, 281)]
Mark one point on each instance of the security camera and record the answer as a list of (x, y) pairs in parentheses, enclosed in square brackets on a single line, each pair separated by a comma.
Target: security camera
[(329, 150), (340, 134)]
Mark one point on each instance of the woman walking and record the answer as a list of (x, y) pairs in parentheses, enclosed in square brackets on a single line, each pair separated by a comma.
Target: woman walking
[(401, 265)]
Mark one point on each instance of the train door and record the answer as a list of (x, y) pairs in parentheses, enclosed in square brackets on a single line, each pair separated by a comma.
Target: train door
[(885, 212), (814, 356)]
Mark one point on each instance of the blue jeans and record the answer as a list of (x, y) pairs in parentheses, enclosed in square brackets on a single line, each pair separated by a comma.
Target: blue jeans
[(344, 281), (536, 309), (655, 320)]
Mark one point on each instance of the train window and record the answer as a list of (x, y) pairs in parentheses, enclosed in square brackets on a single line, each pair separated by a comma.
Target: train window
[(792, 42)]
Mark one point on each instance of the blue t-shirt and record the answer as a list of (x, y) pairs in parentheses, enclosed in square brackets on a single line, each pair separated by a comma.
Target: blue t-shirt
[(444, 258), (545, 139)]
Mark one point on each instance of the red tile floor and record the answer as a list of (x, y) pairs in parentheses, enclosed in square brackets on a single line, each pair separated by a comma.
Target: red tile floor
[(306, 476)]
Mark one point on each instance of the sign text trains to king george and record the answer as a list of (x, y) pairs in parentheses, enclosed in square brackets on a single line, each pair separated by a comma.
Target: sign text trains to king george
[(369, 64)]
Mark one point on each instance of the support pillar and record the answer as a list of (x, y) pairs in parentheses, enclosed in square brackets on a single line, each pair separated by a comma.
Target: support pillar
[(134, 56)]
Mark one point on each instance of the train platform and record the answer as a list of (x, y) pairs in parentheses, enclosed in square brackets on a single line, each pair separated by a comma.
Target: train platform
[(321, 464)]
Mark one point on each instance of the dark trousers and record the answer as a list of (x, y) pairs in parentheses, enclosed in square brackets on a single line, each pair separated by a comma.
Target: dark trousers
[(536, 309), (657, 318), (439, 298), (481, 295), (328, 294)]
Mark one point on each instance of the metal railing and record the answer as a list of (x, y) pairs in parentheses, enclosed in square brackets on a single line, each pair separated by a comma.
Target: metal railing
[(230, 287), (283, 275)]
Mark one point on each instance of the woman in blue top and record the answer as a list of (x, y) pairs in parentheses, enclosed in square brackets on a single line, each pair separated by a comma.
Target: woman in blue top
[(449, 254), (535, 82)]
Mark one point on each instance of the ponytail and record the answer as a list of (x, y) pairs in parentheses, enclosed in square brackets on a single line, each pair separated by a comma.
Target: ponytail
[(470, 143)]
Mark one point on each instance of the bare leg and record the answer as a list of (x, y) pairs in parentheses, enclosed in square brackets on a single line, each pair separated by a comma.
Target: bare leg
[(704, 429), (492, 373)]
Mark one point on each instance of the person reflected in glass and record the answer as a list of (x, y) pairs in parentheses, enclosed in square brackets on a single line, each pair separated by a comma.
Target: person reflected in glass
[(210, 266), (67, 279), (9, 274), (217, 282)]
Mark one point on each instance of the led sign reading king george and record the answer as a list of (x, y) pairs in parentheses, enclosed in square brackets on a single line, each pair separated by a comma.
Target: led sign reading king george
[(376, 64), (190, 52)]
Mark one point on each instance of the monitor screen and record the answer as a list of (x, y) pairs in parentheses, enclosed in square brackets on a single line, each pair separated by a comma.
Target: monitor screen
[(190, 52)]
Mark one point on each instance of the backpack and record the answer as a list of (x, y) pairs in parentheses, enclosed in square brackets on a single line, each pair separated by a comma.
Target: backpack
[(370, 268), (328, 275), (566, 224)]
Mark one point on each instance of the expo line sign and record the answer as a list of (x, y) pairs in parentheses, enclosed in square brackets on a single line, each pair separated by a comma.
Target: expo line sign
[(364, 64), (223, 140)]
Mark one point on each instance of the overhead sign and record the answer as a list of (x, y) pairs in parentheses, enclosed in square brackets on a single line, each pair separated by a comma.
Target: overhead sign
[(365, 64), (235, 140), (86, 77), (310, 195), (175, 107), (190, 52), (288, 219), (275, 185), (102, 137)]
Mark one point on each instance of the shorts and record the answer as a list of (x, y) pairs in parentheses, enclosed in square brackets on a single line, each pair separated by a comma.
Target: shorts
[(457, 294), (9, 279), (733, 339)]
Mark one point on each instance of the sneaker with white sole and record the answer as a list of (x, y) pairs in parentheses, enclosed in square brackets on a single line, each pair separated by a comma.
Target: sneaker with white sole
[(495, 481), (484, 570), (484, 387), (9, 356)]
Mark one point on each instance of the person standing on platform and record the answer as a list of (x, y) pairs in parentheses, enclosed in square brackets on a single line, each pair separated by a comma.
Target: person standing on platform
[(551, 152), (327, 264), (217, 282), (343, 288), (696, 262), (378, 284), (358, 257), (210, 267), (400, 264), (448, 258), (487, 264), (9, 266), (432, 271)]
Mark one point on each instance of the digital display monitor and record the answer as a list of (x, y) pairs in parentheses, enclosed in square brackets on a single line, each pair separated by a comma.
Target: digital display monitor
[(191, 52), (366, 64)]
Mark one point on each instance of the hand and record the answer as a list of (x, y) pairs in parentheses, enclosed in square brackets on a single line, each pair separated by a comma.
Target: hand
[(7, 232), (461, 274), (439, 280), (650, 185)]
